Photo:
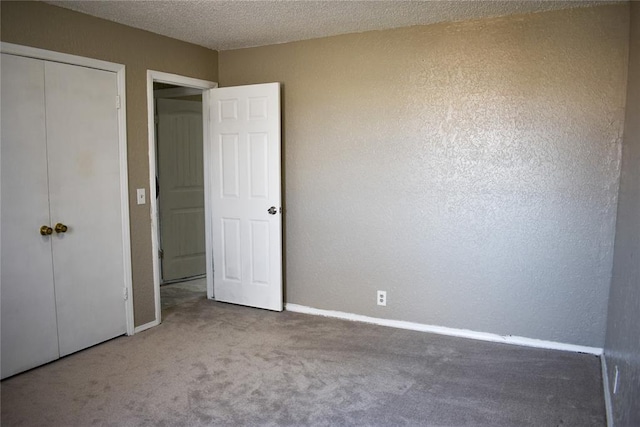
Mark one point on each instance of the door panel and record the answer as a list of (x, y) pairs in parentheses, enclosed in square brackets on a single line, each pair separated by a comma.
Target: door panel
[(29, 330), (245, 152), (84, 185), (181, 178)]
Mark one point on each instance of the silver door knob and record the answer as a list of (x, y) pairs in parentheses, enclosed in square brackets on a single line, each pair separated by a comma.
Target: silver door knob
[(272, 210)]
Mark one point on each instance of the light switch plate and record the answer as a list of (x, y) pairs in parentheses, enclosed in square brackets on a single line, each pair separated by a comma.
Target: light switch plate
[(141, 196)]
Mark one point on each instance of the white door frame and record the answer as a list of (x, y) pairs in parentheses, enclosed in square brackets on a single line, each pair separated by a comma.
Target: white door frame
[(204, 85), (119, 69)]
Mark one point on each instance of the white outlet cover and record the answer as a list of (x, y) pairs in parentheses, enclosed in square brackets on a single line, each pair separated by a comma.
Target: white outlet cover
[(381, 298)]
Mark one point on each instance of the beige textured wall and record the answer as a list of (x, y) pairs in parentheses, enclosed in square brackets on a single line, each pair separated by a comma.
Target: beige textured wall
[(622, 348), (49, 27), (469, 169)]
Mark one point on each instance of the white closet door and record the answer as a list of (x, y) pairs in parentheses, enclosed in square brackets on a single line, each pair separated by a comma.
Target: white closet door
[(246, 195), (84, 188), (181, 174), (29, 332)]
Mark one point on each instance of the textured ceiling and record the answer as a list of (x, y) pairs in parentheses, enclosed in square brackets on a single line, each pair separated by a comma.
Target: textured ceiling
[(223, 25)]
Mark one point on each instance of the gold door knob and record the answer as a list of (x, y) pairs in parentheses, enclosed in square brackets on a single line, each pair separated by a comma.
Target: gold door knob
[(45, 230), (60, 228)]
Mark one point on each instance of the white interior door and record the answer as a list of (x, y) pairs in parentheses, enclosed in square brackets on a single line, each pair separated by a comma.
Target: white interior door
[(29, 330), (84, 188), (181, 196), (246, 195)]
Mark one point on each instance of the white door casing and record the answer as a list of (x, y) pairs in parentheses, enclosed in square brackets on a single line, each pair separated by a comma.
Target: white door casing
[(245, 183), (202, 86), (29, 329), (84, 189), (181, 183)]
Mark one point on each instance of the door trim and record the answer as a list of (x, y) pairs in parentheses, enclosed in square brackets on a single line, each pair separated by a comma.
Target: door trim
[(204, 85), (176, 92), (119, 69)]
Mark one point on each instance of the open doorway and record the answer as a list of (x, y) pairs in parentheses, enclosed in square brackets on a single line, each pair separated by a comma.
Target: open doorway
[(241, 166), (180, 193), (182, 271)]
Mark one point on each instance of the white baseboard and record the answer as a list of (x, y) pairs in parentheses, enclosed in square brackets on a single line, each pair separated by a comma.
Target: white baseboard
[(146, 326), (441, 330), (607, 391)]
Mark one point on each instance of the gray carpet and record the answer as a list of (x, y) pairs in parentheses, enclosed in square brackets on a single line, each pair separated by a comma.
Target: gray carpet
[(216, 364), (181, 292)]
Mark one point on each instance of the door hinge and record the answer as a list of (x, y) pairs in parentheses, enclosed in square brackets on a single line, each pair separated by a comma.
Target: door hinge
[(126, 294), (160, 254), (118, 102)]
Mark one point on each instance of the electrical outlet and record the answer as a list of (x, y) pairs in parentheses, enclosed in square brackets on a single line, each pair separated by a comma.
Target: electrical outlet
[(615, 381), (382, 298)]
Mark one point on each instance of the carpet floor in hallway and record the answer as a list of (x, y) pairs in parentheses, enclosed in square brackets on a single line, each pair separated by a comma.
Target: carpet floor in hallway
[(180, 292), (210, 363)]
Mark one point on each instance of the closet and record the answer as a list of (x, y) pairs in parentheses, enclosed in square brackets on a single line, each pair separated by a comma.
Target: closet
[(63, 271)]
